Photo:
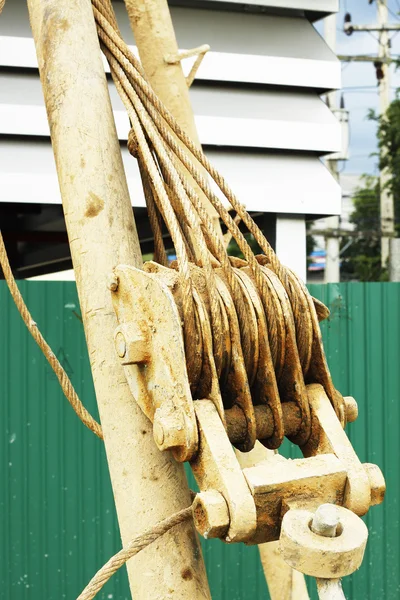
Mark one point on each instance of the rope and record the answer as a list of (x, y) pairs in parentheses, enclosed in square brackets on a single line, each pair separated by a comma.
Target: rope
[(134, 547), (62, 377)]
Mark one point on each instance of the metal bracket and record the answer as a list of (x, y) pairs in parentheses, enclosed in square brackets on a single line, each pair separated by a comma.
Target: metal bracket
[(330, 473), (329, 437), (149, 330), (216, 468)]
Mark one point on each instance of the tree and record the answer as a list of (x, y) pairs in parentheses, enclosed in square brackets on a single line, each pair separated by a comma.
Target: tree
[(362, 259)]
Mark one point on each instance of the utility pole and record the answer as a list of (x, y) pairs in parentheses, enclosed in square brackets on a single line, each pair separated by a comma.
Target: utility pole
[(387, 204), (148, 485), (156, 42), (382, 65), (332, 243)]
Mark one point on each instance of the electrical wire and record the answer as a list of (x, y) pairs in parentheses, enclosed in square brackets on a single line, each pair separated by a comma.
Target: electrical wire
[(390, 11)]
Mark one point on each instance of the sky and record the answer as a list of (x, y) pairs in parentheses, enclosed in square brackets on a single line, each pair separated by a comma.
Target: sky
[(359, 81)]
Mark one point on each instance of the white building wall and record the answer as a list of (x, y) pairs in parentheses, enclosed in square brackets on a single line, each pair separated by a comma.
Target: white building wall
[(257, 101)]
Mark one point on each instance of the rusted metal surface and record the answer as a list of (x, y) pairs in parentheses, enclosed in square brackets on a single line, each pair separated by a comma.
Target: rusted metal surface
[(236, 424), (211, 514), (278, 484), (255, 389)]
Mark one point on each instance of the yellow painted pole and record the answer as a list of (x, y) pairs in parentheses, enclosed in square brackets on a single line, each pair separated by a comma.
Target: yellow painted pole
[(148, 485), (155, 38)]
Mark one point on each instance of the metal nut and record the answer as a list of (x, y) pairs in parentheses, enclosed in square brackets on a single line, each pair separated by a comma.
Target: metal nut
[(210, 514), (319, 556), (351, 408), (377, 483), (169, 431)]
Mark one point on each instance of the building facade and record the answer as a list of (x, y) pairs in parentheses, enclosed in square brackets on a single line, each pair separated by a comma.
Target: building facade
[(259, 110)]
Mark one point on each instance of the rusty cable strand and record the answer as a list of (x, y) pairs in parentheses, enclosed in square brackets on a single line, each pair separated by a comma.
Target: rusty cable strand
[(121, 51), (213, 237), (160, 254), (64, 380), (137, 111), (105, 33), (165, 122), (134, 547), (171, 221)]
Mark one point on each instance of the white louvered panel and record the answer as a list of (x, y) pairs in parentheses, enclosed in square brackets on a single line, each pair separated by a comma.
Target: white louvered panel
[(19, 53), (260, 34), (321, 6), (15, 21), (311, 129), (282, 184)]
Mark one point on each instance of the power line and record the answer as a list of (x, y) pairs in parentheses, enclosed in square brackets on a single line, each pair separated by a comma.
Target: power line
[(395, 15), (381, 64)]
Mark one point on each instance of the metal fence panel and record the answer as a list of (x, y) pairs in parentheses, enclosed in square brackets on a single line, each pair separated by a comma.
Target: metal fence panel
[(58, 524)]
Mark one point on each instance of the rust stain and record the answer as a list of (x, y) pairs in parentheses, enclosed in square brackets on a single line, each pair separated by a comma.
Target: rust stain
[(187, 574), (83, 162), (64, 25), (94, 205)]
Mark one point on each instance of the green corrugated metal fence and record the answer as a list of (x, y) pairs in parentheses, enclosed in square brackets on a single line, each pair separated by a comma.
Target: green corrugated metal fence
[(57, 520)]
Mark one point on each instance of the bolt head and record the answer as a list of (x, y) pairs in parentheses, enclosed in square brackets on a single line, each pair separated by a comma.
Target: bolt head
[(351, 408), (377, 483), (211, 514), (158, 432), (120, 344), (112, 282), (169, 430)]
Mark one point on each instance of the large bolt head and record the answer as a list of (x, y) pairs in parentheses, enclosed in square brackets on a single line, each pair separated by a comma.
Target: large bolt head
[(210, 514), (169, 430), (351, 408), (132, 345), (377, 483)]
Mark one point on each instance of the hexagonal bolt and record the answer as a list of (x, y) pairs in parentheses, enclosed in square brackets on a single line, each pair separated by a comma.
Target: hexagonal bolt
[(326, 520), (132, 345), (351, 408), (377, 483), (211, 514), (169, 431)]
